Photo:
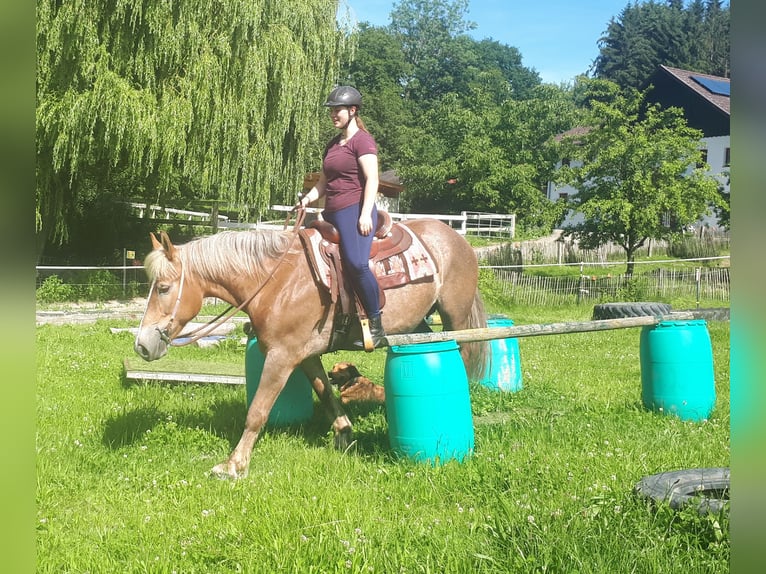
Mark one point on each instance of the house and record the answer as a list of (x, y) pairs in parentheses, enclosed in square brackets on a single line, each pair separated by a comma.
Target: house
[(705, 100)]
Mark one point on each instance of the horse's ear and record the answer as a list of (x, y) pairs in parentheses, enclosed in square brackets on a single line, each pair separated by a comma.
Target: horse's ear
[(170, 250), (155, 244)]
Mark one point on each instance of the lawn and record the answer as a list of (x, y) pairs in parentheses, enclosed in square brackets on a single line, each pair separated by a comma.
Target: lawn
[(123, 483)]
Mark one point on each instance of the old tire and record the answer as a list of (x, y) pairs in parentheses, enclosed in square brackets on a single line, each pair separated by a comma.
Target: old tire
[(620, 310), (706, 488)]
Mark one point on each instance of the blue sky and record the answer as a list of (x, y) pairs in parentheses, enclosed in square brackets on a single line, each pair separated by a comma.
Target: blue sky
[(558, 38)]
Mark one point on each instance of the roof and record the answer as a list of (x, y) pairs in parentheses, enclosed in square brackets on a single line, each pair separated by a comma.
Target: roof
[(686, 77), (573, 133)]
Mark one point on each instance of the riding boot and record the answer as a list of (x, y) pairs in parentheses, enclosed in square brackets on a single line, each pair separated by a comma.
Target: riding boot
[(377, 333)]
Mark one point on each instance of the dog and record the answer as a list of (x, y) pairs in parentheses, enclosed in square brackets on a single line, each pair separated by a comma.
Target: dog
[(353, 386)]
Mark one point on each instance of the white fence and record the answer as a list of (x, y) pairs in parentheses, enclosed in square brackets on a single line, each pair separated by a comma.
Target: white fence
[(468, 222), (154, 212)]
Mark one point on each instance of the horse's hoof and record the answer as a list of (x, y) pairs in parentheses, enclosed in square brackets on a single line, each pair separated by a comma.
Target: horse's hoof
[(227, 471), (344, 440)]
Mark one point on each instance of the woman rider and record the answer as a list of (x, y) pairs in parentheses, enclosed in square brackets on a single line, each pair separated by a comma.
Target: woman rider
[(348, 181)]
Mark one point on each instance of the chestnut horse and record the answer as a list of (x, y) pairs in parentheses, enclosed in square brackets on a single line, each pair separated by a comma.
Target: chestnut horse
[(291, 315)]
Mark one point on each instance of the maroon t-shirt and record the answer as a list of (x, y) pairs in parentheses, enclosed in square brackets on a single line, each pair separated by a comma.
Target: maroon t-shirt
[(345, 179)]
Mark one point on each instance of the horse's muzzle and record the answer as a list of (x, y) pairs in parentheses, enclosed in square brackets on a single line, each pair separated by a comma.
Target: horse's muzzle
[(151, 344)]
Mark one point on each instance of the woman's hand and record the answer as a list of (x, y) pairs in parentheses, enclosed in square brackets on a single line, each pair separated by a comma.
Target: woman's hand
[(303, 201), (365, 224)]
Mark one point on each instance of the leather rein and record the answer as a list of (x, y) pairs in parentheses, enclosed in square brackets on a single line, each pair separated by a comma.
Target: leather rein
[(230, 311)]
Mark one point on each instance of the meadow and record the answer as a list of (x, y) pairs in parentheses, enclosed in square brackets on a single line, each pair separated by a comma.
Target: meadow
[(123, 483)]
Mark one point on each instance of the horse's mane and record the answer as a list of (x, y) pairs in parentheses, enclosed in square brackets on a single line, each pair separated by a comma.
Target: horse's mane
[(223, 254)]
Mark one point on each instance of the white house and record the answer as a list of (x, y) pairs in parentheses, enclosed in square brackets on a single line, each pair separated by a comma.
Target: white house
[(705, 100)]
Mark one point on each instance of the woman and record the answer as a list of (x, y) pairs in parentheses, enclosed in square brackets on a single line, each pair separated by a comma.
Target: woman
[(349, 182)]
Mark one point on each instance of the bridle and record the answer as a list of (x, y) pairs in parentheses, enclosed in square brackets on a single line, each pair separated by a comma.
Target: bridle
[(165, 331), (226, 314)]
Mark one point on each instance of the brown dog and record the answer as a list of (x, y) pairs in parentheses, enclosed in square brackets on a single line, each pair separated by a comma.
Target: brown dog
[(353, 386)]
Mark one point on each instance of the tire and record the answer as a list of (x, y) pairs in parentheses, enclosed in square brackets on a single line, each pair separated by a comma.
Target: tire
[(620, 310), (707, 488)]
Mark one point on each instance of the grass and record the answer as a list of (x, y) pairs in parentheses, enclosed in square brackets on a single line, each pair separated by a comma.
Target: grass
[(123, 484)]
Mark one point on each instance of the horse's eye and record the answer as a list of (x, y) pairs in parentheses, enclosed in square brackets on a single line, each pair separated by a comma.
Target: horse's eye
[(163, 288)]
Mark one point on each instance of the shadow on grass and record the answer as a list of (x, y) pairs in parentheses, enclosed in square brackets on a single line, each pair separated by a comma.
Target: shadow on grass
[(226, 419)]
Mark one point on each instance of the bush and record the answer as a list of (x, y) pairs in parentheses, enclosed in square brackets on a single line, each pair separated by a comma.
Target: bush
[(53, 290), (99, 285), (631, 290)]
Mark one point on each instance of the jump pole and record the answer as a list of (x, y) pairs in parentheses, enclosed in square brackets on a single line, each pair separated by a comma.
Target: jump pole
[(535, 330)]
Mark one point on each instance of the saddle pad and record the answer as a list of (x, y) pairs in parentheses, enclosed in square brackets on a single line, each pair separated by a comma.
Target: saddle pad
[(413, 264), (392, 270)]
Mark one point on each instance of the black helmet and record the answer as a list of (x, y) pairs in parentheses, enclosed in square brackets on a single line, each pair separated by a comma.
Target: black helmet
[(344, 96)]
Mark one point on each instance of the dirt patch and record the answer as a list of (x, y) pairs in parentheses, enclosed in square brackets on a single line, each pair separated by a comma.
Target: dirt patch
[(83, 313)]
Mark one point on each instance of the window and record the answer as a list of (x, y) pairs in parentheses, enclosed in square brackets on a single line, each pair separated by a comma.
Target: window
[(727, 157), (703, 158), (563, 195)]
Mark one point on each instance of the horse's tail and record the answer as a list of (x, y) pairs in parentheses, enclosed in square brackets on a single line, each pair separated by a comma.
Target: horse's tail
[(476, 354)]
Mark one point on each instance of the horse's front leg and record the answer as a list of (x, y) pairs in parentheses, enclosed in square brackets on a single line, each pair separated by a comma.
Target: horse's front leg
[(341, 424), (273, 379)]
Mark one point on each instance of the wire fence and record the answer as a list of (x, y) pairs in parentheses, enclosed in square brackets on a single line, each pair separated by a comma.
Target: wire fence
[(701, 284), (59, 284)]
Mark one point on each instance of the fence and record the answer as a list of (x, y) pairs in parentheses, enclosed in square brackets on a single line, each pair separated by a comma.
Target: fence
[(661, 284), (709, 284), (466, 223), (560, 249)]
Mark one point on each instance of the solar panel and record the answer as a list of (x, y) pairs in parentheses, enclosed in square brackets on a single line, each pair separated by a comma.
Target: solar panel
[(720, 87)]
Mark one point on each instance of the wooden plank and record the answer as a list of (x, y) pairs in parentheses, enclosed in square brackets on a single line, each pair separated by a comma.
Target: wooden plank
[(184, 377), (486, 334), (193, 375)]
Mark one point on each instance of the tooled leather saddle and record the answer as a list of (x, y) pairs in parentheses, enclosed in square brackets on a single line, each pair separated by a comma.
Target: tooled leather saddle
[(397, 257)]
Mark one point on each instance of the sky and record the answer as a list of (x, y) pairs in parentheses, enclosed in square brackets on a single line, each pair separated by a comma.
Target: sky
[(556, 38)]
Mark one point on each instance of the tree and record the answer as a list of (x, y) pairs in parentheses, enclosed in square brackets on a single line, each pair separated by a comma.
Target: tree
[(634, 172), (648, 34), (426, 29), (222, 95), (475, 155)]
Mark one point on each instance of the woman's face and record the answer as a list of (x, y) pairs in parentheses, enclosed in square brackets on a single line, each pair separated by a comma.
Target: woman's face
[(340, 115)]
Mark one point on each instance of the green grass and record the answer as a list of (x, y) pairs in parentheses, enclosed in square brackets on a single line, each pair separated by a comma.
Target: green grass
[(123, 481)]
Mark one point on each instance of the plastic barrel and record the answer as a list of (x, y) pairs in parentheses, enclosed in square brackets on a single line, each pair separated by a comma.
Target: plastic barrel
[(503, 372), (294, 405), (427, 402), (677, 369)]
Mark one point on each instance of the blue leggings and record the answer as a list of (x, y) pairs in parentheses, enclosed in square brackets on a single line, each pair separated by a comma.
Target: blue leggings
[(355, 251)]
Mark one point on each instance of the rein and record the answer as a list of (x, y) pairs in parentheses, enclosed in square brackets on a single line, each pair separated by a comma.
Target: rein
[(230, 311)]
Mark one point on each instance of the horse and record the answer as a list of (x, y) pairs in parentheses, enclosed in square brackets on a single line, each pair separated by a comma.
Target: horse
[(268, 274)]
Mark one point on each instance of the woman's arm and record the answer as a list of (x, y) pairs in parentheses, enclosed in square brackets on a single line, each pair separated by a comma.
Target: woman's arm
[(369, 164)]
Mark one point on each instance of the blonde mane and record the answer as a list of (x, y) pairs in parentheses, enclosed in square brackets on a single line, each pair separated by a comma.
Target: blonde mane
[(223, 254)]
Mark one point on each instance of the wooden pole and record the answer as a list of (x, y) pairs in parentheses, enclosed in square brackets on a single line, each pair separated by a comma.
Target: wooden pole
[(486, 334)]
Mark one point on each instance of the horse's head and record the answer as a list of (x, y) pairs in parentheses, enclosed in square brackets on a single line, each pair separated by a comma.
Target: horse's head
[(174, 299)]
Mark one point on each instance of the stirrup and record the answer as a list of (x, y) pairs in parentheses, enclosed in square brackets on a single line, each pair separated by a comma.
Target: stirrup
[(367, 342)]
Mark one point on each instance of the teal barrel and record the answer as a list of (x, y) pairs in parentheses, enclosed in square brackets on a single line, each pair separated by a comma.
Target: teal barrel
[(677, 369), (503, 372), (294, 405), (428, 405)]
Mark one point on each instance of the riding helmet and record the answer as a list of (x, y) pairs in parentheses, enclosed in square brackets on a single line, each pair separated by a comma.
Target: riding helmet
[(344, 96)]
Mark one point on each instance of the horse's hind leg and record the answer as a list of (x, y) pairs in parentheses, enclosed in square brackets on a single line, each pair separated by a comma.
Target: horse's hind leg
[(341, 424)]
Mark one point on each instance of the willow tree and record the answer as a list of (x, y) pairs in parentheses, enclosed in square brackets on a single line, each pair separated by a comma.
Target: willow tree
[(223, 94)]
